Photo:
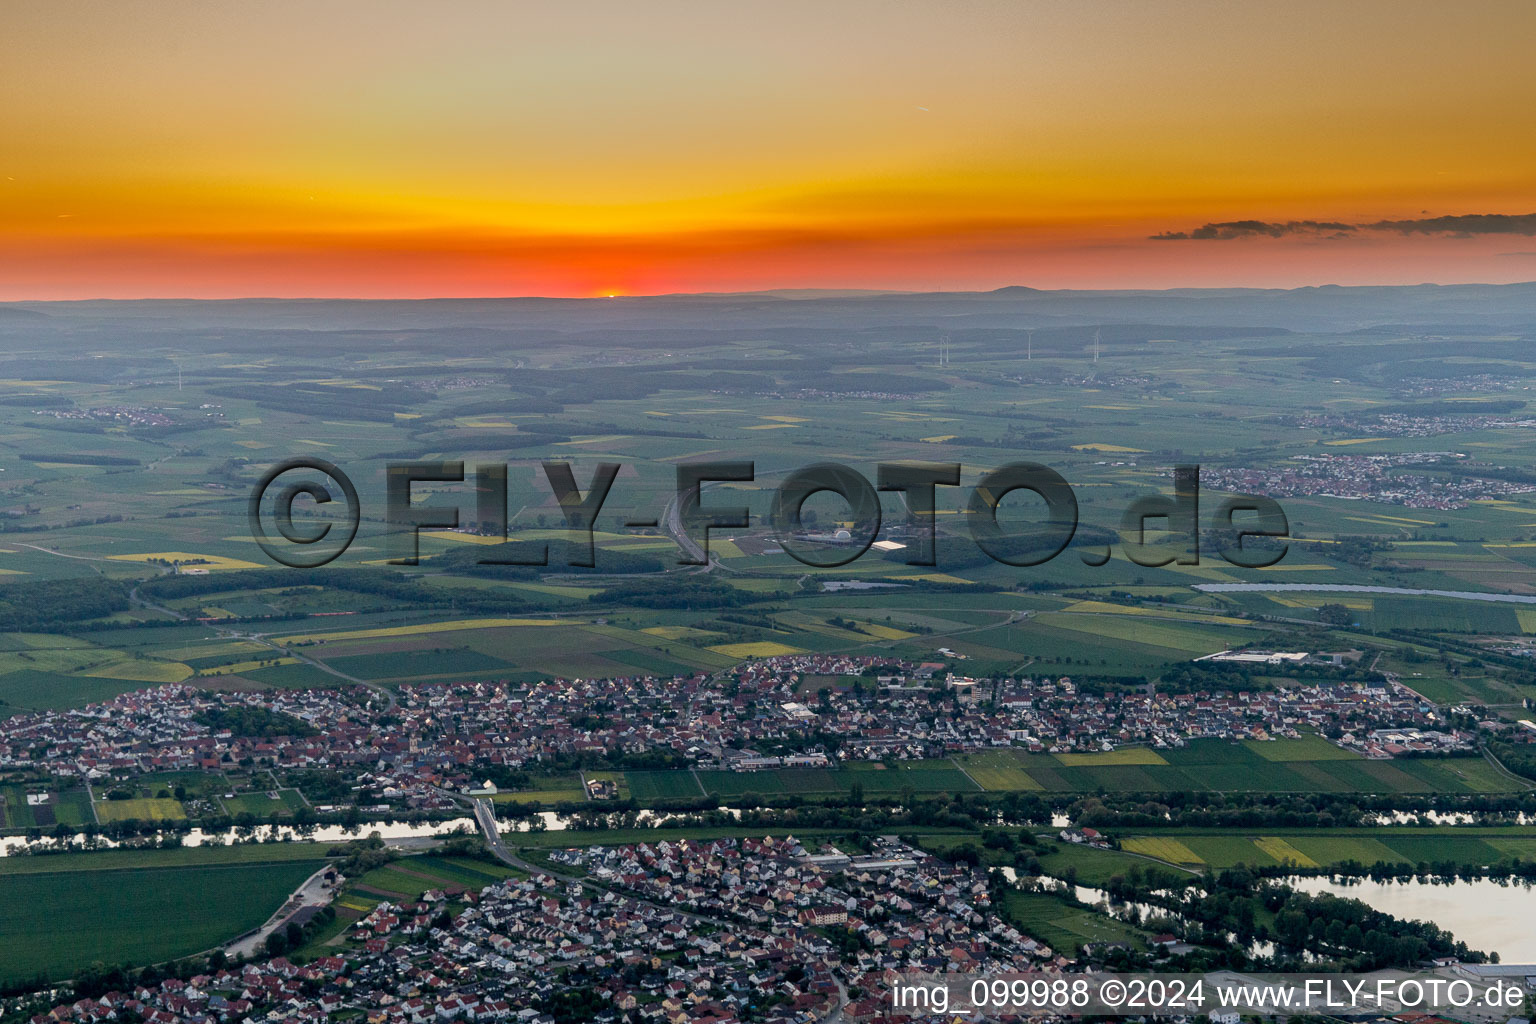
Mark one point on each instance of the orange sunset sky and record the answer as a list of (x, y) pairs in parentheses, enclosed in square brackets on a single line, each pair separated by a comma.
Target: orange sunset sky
[(385, 149)]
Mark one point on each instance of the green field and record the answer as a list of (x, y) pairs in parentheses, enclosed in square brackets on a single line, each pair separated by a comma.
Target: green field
[(1306, 765), (132, 914), (180, 856), (1087, 865), (1064, 926), (15, 812), (875, 779), (262, 805), (400, 881), (451, 663), (997, 770), (1312, 848), (648, 787), (1307, 748), (141, 809), (552, 790)]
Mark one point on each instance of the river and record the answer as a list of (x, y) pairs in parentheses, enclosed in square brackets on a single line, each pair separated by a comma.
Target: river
[(388, 831), (393, 831), (1445, 818)]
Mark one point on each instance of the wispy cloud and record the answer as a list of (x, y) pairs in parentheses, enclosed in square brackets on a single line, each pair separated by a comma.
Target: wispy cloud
[(1458, 226)]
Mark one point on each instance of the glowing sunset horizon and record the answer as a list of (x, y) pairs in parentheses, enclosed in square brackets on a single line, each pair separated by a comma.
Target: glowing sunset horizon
[(398, 150)]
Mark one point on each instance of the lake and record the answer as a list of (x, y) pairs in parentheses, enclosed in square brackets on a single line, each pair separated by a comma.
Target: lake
[(1482, 913)]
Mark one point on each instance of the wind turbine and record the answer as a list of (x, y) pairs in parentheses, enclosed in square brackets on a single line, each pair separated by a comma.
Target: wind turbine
[(174, 356)]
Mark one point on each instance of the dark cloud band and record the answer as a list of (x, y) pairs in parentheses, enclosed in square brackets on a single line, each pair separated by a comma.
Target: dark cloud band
[(1462, 226)]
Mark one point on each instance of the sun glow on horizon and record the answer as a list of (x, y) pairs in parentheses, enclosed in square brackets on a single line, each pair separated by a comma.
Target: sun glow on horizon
[(484, 149)]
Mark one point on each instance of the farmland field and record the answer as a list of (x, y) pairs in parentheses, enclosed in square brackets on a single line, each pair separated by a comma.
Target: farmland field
[(1121, 756), (875, 778), (1170, 850), (263, 804), (1063, 926), (662, 785), (550, 790), (1202, 765), (180, 856), (997, 770), (133, 915), (453, 663), (1228, 848), (1307, 748), (1089, 865), (141, 808)]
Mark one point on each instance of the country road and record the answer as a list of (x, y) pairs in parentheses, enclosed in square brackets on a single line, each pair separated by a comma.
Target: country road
[(312, 893)]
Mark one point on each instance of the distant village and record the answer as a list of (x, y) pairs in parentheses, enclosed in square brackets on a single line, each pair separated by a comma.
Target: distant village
[(757, 717), (1378, 478)]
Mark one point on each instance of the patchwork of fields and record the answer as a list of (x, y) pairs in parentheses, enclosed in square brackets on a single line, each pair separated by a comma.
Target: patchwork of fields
[(1306, 765), (1297, 848)]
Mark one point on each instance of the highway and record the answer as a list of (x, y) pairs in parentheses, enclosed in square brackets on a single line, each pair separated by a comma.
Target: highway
[(673, 521)]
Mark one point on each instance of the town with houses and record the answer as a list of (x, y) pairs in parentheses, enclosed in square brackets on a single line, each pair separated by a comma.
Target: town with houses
[(1406, 424), (676, 932), (1388, 479), (737, 930), (438, 737), (129, 415)]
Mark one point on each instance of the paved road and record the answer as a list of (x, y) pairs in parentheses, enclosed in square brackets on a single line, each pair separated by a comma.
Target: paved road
[(134, 598), (227, 632), (384, 692), (90, 793), (485, 816), (672, 519), (56, 551), (313, 893)]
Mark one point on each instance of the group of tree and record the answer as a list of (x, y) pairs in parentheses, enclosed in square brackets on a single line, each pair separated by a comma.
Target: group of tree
[(53, 606), (252, 722), (293, 934)]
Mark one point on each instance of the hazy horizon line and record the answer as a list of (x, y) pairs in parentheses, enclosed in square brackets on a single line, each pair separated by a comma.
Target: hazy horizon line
[(786, 293)]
